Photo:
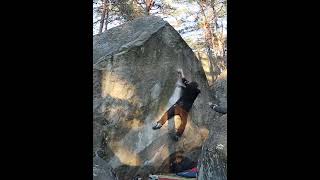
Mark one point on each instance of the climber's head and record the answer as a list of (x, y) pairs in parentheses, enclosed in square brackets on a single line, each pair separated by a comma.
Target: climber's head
[(193, 85)]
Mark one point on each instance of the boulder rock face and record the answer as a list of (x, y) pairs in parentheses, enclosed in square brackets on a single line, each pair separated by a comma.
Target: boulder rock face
[(213, 159), (220, 89), (134, 79), (212, 163), (101, 170)]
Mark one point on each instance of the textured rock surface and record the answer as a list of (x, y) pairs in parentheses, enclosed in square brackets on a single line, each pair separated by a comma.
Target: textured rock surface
[(220, 89), (213, 160), (101, 170), (134, 77)]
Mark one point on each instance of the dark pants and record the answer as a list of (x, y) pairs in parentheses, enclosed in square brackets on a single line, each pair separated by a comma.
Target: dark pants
[(176, 110)]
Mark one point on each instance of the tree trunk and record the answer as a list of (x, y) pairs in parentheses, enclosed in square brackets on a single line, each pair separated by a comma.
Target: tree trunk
[(209, 44), (103, 15), (149, 4), (107, 15)]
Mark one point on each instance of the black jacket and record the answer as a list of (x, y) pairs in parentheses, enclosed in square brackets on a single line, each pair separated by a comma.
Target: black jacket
[(189, 95)]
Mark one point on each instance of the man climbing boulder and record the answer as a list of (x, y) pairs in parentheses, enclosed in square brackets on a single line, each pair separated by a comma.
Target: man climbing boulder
[(134, 83), (182, 107)]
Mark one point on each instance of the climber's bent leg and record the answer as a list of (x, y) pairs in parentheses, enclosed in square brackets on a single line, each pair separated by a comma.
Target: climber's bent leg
[(167, 115), (184, 119)]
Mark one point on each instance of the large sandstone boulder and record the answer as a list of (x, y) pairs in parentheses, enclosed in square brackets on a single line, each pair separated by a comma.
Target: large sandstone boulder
[(134, 78)]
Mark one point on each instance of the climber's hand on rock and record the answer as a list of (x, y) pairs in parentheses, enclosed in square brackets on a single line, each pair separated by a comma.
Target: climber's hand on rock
[(180, 72)]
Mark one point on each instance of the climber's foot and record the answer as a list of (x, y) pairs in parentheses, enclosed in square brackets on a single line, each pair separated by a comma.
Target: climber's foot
[(157, 126)]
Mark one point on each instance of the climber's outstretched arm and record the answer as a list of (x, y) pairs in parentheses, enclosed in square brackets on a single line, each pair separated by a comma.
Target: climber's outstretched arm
[(183, 82), (180, 73)]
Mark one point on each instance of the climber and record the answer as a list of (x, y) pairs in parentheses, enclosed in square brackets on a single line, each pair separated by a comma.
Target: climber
[(190, 92)]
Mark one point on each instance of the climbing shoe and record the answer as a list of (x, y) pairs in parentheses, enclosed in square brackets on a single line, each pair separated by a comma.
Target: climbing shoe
[(157, 126)]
